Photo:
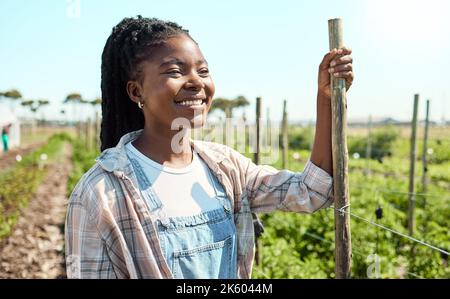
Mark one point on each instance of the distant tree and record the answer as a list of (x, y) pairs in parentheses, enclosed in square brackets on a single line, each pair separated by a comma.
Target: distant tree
[(227, 105), (27, 103), (73, 99), (34, 105), (43, 102), (13, 95), (95, 102)]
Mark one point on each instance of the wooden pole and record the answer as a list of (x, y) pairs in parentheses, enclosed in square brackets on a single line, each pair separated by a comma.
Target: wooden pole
[(411, 197), (78, 130), (284, 136), (246, 132), (88, 134), (369, 144), (267, 133), (97, 130), (33, 127), (424, 154), (340, 161), (91, 125), (258, 130), (257, 160)]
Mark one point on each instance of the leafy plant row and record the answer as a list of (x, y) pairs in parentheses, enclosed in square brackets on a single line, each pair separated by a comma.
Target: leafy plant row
[(19, 184)]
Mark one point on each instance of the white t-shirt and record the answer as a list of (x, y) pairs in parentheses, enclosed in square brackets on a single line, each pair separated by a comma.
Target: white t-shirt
[(183, 191)]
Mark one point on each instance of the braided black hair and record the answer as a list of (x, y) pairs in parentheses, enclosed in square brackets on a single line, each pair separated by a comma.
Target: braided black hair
[(130, 42)]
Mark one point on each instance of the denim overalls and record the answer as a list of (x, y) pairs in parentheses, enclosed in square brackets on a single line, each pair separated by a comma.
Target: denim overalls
[(199, 246)]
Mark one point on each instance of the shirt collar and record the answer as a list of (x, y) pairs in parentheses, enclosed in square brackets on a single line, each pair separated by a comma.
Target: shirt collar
[(115, 158)]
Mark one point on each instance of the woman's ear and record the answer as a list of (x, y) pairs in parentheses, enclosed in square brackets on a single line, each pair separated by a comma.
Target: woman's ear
[(134, 91)]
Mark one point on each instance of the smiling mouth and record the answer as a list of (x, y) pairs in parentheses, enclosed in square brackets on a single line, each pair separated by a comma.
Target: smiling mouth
[(191, 102)]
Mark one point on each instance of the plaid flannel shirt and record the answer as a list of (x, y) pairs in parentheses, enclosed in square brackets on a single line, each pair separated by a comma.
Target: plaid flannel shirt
[(110, 233)]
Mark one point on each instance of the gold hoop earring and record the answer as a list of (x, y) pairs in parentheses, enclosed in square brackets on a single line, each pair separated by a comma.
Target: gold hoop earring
[(140, 104)]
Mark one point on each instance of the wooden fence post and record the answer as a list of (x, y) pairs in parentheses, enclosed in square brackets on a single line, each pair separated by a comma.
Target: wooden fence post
[(424, 154), (257, 158), (97, 131), (340, 161), (258, 130), (78, 128), (88, 134), (284, 136), (369, 144), (267, 132), (411, 197)]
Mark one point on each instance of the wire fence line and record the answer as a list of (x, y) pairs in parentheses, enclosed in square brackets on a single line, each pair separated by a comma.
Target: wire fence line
[(377, 191), (415, 275), (385, 203), (319, 238), (359, 253), (392, 231), (356, 251), (260, 272)]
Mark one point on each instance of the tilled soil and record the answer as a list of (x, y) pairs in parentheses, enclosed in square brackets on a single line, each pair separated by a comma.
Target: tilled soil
[(35, 249)]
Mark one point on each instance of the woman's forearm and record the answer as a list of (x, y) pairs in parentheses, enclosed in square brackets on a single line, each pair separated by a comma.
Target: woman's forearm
[(337, 63), (321, 153)]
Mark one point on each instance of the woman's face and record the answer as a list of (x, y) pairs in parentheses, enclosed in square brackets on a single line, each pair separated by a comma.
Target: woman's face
[(175, 84)]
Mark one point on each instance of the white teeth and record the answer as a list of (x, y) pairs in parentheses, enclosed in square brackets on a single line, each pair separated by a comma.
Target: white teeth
[(190, 103)]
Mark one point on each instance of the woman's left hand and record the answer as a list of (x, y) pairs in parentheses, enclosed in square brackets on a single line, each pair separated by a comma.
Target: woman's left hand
[(337, 63)]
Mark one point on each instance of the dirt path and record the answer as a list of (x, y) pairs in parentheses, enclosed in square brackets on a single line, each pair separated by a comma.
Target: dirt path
[(35, 248)]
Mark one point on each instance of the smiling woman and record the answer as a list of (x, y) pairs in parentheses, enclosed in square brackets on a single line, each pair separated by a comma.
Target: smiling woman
[(147, 209)]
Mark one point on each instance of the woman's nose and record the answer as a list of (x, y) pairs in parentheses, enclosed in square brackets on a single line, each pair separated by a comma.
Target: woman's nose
[(195, 82)]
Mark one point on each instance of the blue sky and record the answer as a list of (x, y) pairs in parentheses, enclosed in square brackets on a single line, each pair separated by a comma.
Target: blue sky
[(270, 49)]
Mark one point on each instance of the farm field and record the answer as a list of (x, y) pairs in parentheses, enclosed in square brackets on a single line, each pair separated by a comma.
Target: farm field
[(354, 92), (292, 246)]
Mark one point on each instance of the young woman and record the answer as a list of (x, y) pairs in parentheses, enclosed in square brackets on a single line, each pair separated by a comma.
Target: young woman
[(152, 207)]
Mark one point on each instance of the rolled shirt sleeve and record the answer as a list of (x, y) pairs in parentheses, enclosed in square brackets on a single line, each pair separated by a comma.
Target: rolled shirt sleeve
[(318, 180), (270, 189)]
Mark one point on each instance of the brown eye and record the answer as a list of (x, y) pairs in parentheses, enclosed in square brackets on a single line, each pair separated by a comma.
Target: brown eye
[(204, 72), (174, 71)]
